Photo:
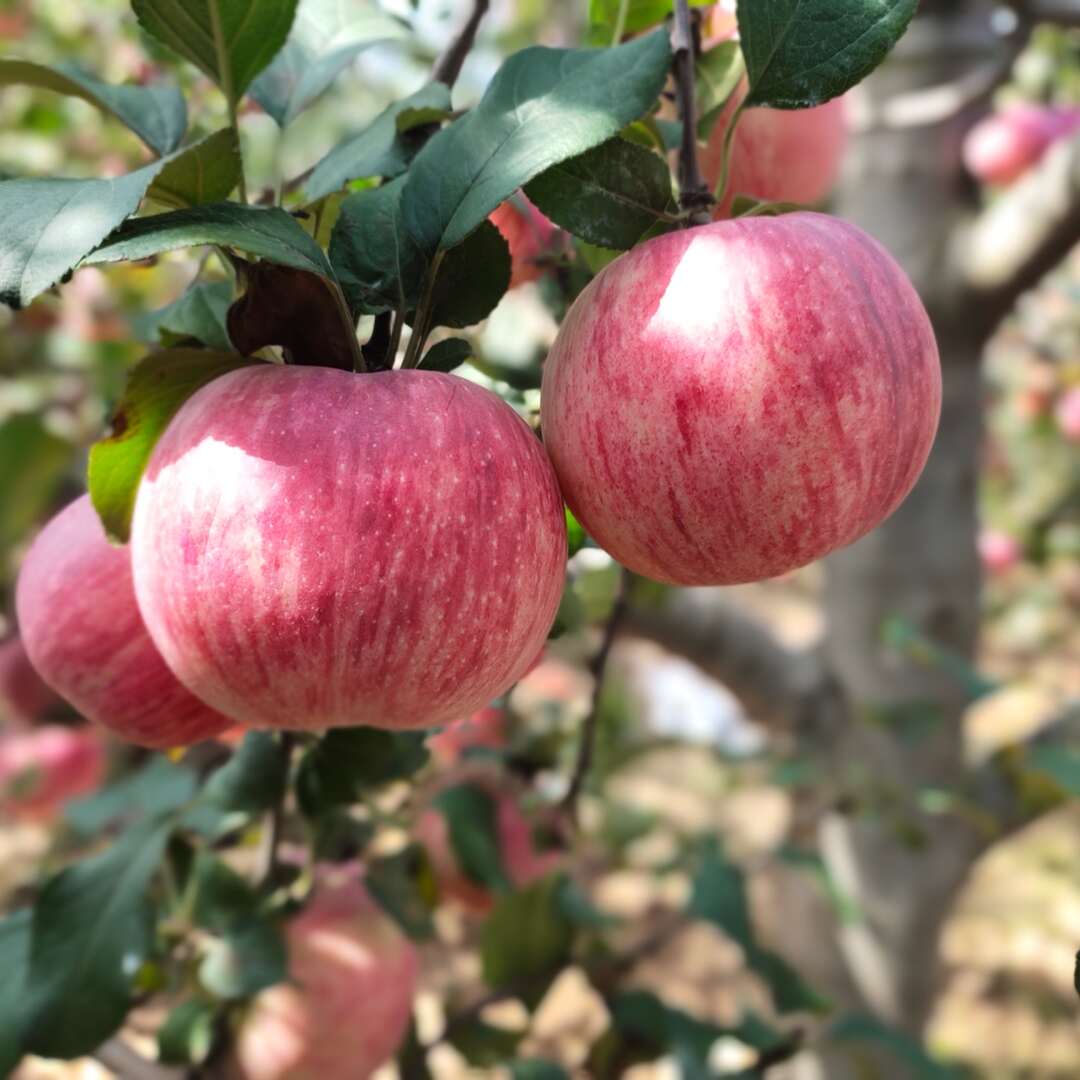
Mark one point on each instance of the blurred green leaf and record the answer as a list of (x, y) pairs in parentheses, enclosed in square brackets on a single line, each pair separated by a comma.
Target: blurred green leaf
[(199, 313), (32, 462), (253, 780), (719, 896), (447, 355), (717, 73), (155, 788), (204, 173), (249, 957), (482, 1045), (536, 1069), (404, 886), (858, 1027), (156, 389), (472, 824), (640, 15), (14, 963), (1061, 764), (218, 898), (187, 1035)]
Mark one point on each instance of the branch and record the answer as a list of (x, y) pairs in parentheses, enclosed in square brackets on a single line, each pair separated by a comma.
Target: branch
[(1025, 233), (449, 65), (694, 194), (120, 1059), (776, 684)]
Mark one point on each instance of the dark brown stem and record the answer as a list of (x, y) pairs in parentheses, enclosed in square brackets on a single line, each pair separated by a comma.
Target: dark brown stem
[(694, 195), (597, 667), (448, 66)]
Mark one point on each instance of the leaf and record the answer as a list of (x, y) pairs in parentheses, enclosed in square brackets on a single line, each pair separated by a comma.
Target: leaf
[(719, 896), (640, 15), (717, 74), (326, 37), (92, 930), (858, 1027), (579, 910), (229, 40), (32, 462), (1061, 764), (199, 313), (156, 389), (543, 106), (157, 114), (269, 232), (156, 788), (346, 763), (748, 206), (381, 149), (472, 278), (250, 957), (187, 1035), (253, 779), (510, 953), (482, 1045), (471, 820), (789, 992), (220, 898), (801, 53), (204, 173), (447, 355), (537, 1069), (404, 886), (14, 963), (610, 196)]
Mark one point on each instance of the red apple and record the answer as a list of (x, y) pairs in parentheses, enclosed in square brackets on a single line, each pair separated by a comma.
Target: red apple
[(522, 862), (528, 233), (1067, 414), (778, 155), (24, 695), (41, 769), (314, 548), (84, 634), (348, 1002), (1004, 145), (728, 403), (999, 551)]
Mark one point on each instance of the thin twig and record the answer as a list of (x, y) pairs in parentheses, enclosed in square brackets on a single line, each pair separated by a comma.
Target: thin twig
[(597, 667), (449, 65), (694, 195)]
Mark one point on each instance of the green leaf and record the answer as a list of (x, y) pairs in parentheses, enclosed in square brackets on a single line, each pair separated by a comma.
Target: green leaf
[(218, 897), (187, 1035), (248, 958), (472, 278), (579, 910), (800, 53), (200, 313), (14, 963), (543, 106), (858, 1027), (404, 886), (1061, 764), (92, 929), (472, 823), (717, 74), (269, 232), (537, 1069), (346, 763), (719, 896), (610, 196), (229, 40), (640, 15), (526, 937), (253, 779), (447, 355), (204, 173), (156, 389), (381, 149), (32, 462), (326, 37), (789, 992), (482, 1045), (157, 114), (748, 206), (155, 788)]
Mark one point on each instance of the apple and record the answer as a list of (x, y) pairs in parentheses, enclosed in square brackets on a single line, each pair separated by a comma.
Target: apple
[(84, 635), (727, 403), (523, 863), (348, 1002), (1004, 145), (42, 769), (778, 155), (24, 695), (999, 551), (314, 548), (1067, 414), (527, 232)]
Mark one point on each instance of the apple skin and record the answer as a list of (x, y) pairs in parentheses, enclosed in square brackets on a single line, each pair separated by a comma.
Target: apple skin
[(728, 403), (779, 155), (314, 548), (1004, 145), (348, 1002), (24, 695), (82, 629), (528, 235), (42, 769)]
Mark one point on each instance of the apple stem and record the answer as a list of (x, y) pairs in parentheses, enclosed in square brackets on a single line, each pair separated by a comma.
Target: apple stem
[(695, 199)]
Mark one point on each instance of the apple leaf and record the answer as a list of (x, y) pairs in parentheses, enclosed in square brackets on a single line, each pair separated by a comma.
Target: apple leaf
[(155, 788), (92, 930), (640, 15), (861, 1027), (231, 41), (801, 53), (156, 389), (205, 173), (200, 313), (187, 1034), (447, 355), (543, 106), (32, 464), (269, 232), (14, 961), (403, 885), (326, 37), (717, 74), (472, 278), (609, 196), (381, 149), (156, 113), (247, 958), (482, 1045), (471, 821), (253, 779)]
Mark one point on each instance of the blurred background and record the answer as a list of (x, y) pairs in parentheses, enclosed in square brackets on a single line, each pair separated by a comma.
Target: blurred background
[(887, 743)]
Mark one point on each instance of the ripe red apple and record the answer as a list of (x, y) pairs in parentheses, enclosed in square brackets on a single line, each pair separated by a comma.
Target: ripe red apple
[(727, 403), (528, 233), (778, 155), (24, 695), (84, 634), (348, 1002), (314, 548), (1004, 145), (522, 862), (42, 769)]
